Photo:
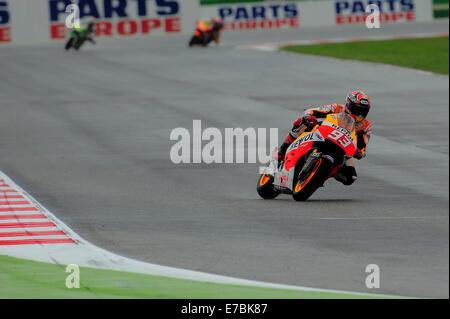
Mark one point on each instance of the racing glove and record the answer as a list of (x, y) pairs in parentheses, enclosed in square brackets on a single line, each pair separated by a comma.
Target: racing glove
[(309, 121), (297, 123), (358, 154)]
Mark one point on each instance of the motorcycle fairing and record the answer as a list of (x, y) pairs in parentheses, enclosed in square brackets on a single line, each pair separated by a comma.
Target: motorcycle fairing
[(338, 127), (297, 149)]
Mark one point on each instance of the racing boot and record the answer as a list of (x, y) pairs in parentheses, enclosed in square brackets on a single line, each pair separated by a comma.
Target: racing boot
[(299, 126), (279, 156), (346, 175)]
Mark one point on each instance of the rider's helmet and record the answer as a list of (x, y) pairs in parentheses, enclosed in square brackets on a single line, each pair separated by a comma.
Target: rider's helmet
[(217, 23), (89, 23), (217, 20), (357, 105)]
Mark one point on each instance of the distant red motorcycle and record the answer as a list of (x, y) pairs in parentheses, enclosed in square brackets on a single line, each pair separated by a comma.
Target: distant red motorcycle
[(207, 32)]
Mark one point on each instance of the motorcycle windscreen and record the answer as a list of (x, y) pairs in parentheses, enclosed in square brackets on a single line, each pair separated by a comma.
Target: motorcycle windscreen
[(346, 121)]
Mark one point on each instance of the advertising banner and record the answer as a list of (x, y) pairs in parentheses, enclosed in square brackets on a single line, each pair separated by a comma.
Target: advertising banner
[(270, 15), (390, 11), (440, 9), (41, 21), (5, 28), (265, 15), (122, 17)]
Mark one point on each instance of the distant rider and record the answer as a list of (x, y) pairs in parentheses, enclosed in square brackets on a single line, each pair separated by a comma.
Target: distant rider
[(217, 26), (357, 106), (85, 29), (210, 29)]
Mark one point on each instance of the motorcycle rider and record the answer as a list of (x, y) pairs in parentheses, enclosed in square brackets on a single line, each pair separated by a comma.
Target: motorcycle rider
[(357, 106), (217, 26), (204, 26), (84, 29), (211, 28)]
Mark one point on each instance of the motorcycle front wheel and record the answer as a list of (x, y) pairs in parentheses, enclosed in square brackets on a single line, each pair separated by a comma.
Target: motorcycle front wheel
[(309, 183), (78, 45), (195, 40), (69, 44)]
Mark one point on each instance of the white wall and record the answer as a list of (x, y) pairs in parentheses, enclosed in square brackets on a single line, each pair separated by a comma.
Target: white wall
[(31, 20), (317, 13)]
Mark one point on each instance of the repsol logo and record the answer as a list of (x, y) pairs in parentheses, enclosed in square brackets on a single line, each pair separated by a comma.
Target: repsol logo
[(275, 11), (4, 13), (385, 6), (105, 9), (306, 138)]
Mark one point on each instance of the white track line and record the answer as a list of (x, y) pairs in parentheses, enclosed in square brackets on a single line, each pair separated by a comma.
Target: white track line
[(387, 217), (274, 46), (34, 229)]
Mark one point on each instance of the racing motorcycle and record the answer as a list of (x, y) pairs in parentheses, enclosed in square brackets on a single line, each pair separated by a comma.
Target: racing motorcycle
[(205, 37), (311, 159), (78, 37)]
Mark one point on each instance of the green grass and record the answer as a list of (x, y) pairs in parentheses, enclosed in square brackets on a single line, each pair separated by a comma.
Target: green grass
[(27, 279), (429, 54)]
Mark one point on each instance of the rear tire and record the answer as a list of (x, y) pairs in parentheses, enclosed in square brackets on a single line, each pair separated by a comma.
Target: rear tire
[(265, 187), (78, 44), (304, 188), (69, 44)]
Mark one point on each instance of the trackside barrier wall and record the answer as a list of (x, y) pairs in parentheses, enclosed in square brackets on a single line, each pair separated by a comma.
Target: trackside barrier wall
[(269, 15), (43, 21)]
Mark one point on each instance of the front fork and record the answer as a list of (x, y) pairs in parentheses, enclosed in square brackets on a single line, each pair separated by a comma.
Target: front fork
[(311, 161)]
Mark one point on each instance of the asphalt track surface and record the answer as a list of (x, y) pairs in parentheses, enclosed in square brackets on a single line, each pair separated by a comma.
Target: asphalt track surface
[(87, 134)]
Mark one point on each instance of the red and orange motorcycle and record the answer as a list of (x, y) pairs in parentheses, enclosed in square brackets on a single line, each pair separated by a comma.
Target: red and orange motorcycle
[(206, 33), (311, 159)]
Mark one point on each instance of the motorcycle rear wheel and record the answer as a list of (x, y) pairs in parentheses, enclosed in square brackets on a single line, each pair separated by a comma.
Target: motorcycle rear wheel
[(265, 187)]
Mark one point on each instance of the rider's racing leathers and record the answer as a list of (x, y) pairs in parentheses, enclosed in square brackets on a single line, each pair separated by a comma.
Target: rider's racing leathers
[(347, 174)]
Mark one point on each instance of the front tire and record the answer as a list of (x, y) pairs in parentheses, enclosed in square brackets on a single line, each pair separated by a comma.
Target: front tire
[(305, 187), (265, 187), (77, 46), (69, 44), (192, 42), (195, 40)]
